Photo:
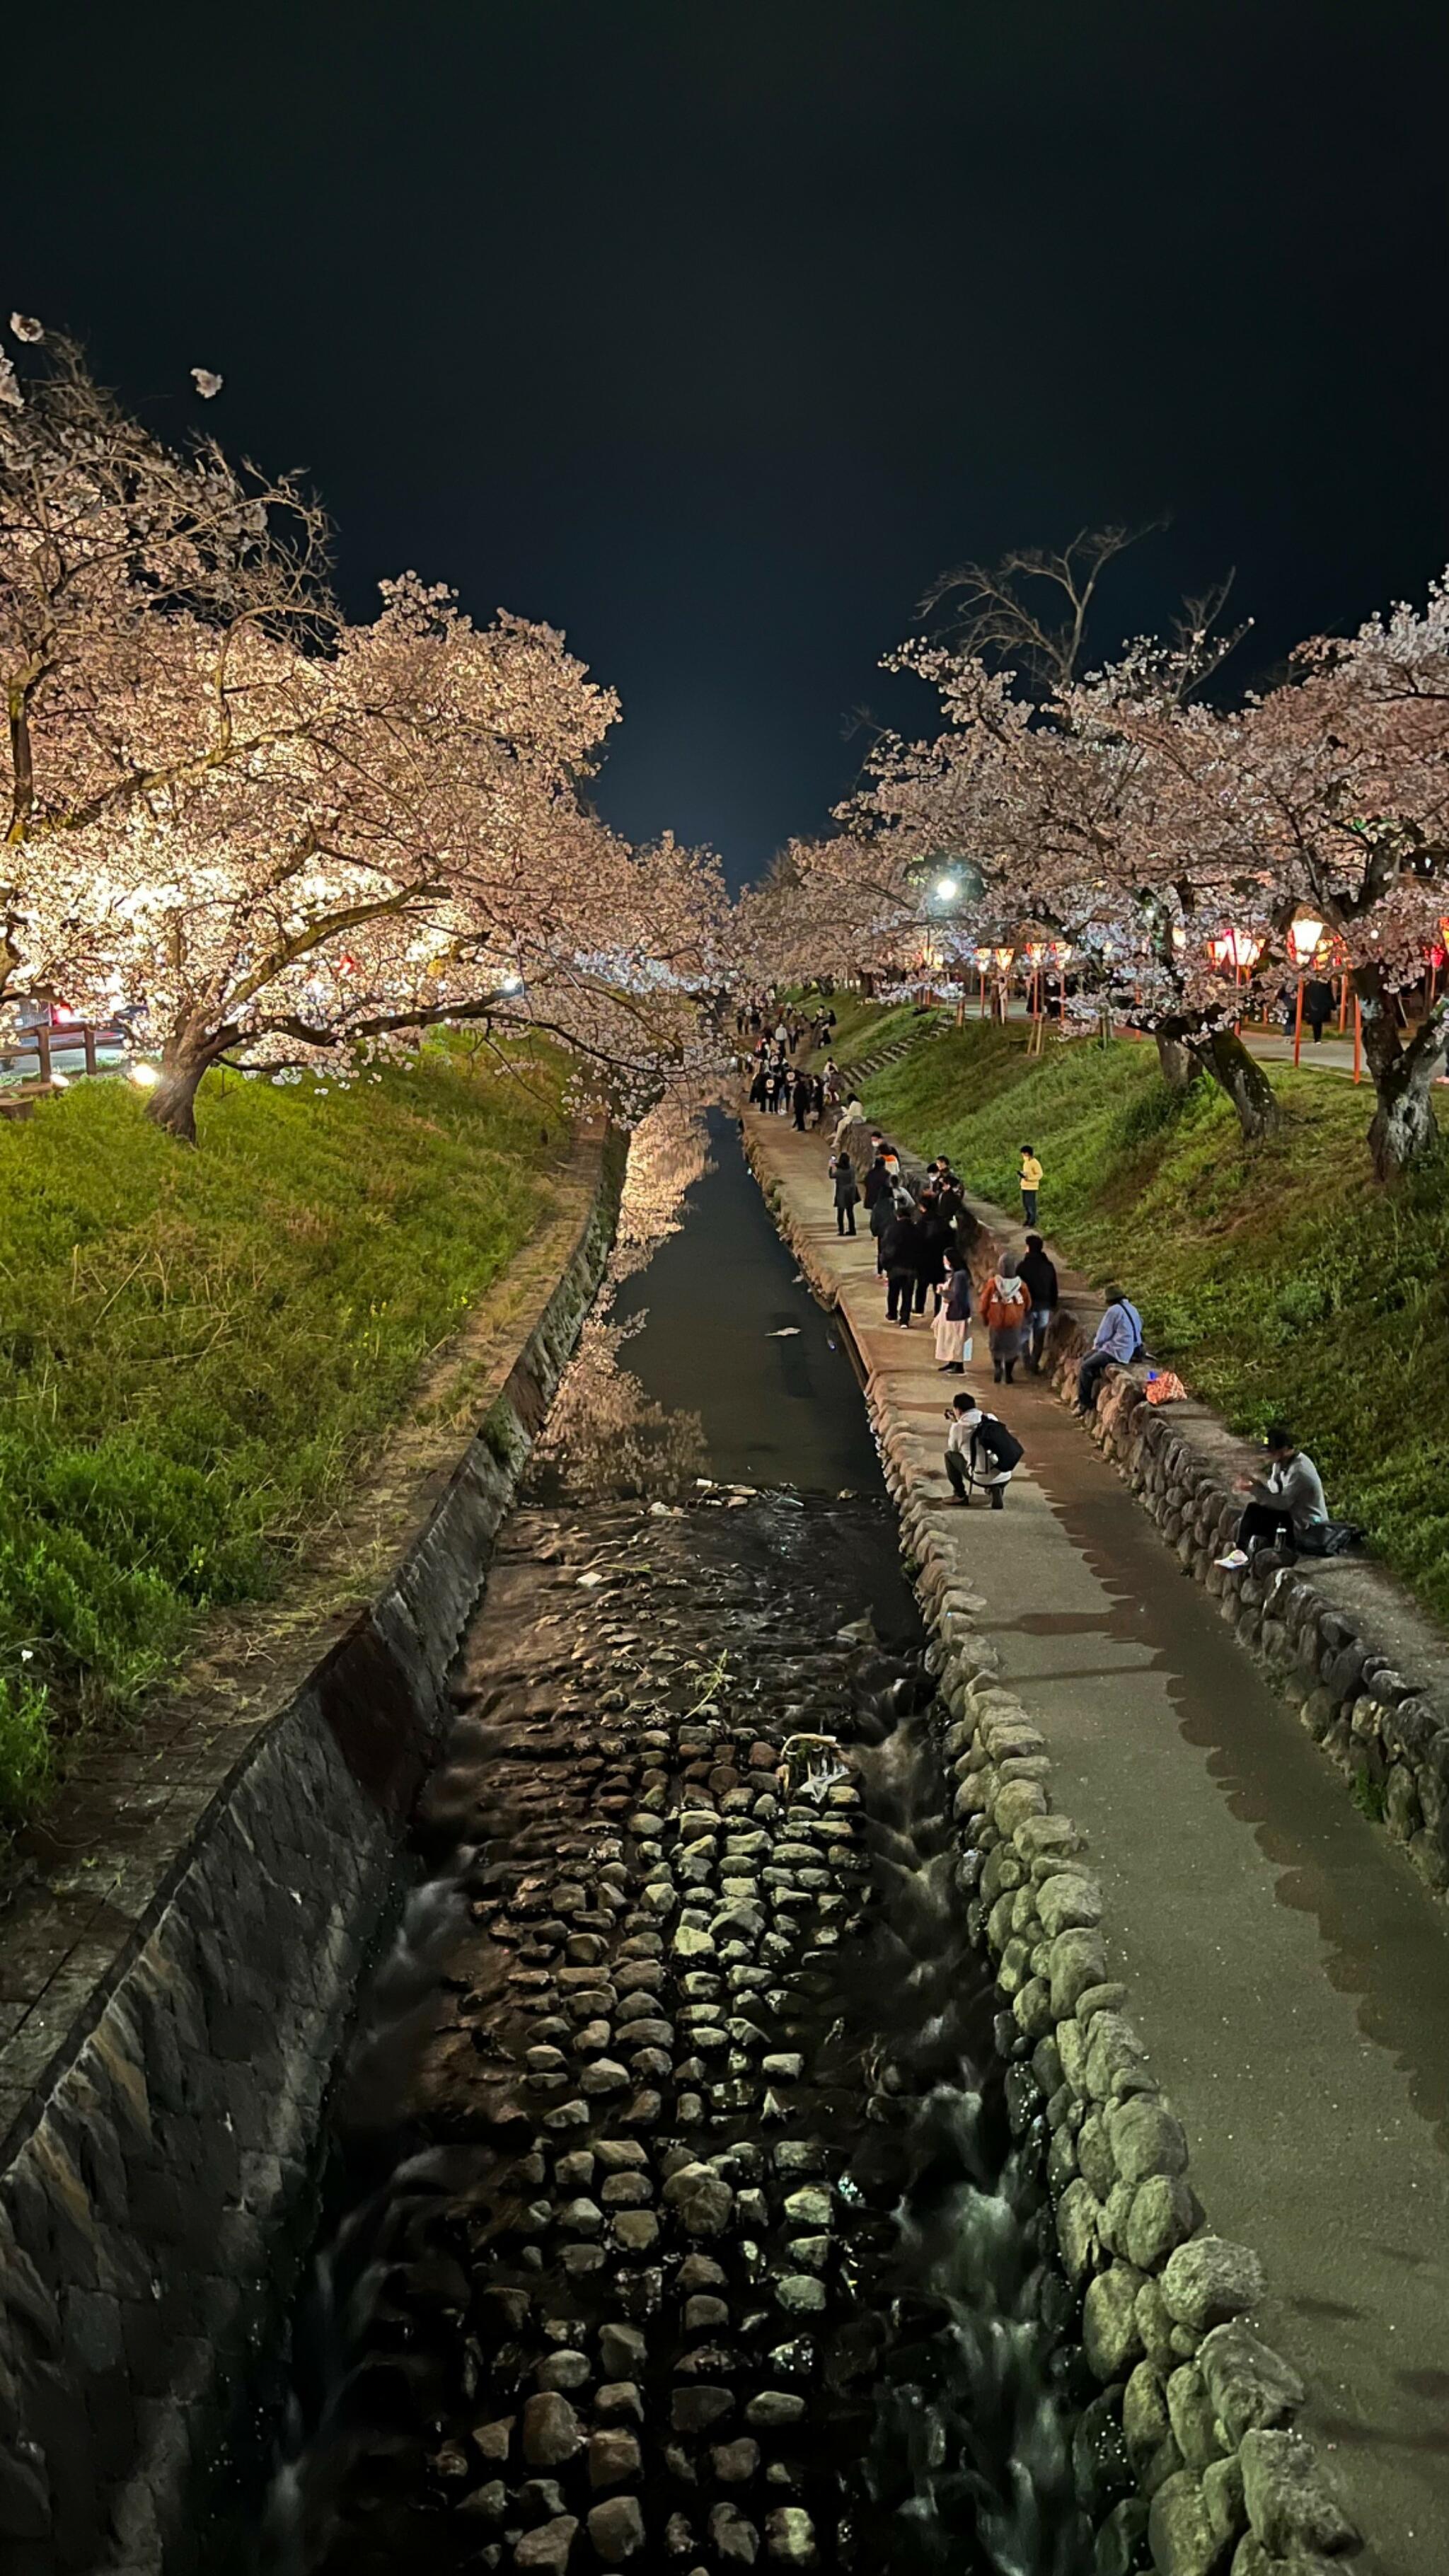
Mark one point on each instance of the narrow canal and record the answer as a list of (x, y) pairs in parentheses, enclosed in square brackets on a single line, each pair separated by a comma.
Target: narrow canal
[(681, 2211)]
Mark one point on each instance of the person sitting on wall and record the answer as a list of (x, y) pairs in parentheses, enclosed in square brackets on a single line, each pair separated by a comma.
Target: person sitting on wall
[(980, 1451), (1287, 1503), (1118, 1340)]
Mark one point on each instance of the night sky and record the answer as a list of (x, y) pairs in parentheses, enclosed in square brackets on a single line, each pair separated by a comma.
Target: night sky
[(713, 332)]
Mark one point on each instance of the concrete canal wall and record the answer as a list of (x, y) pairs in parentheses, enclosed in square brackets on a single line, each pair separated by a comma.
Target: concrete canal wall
[(157, 2177)]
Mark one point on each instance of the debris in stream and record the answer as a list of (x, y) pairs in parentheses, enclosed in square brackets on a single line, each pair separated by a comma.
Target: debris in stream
[(698, 2235)]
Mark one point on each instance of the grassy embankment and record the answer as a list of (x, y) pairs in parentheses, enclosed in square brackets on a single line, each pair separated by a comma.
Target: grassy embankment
[(198, 1350), (1278, 1280)]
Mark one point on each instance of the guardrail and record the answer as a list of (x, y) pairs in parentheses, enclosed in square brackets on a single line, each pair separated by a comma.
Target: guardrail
[(43, 1043)]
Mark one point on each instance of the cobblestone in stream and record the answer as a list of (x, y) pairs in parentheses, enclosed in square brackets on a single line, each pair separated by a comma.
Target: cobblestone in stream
[(635, 2296)]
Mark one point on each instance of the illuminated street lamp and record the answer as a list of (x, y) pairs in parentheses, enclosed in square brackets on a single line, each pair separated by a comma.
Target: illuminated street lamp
[(947, 888), (1303, 937), (144, 1076), (1238, 949)]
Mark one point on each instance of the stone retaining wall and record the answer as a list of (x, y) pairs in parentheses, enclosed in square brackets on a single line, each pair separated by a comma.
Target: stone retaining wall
[(1389, 1737), (156, 2198), (1327, 1633), (1202, 2410)]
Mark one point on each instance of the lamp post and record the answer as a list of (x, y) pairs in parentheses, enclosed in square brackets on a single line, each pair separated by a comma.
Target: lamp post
[(1303, 938)]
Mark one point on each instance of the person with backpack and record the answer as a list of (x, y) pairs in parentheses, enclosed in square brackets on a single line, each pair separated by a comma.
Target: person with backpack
[(1005, 1307), (1118, 1341), (979, 1451), (1040, 1275)]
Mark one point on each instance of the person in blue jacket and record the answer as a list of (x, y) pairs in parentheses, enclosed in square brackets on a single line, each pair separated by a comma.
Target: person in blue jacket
[(1118, 1340)]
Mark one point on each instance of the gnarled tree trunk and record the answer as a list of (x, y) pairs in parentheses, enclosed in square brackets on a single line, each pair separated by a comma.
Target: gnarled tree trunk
[(1243, 1078), (172, 1104), (1176, 1062), (1404, 1130)]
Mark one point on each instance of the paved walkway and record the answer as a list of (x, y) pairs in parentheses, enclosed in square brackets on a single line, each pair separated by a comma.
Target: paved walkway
[(1332, 1054), (1288, 1972)]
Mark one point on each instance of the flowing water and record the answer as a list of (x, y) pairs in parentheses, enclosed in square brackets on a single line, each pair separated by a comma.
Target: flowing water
[(681, 2210)]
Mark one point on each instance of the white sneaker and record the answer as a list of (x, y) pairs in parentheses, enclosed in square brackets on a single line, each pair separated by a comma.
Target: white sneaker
[(1235, 1557)]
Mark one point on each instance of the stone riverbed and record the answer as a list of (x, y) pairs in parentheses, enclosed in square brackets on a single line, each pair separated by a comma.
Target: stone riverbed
[(681, 2210)]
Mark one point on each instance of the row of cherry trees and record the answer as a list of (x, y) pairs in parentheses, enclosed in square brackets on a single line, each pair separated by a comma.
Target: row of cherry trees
[(1136, 822), (279, 836)]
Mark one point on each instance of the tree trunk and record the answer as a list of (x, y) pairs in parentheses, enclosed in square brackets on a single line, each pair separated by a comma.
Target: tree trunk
[(1404, 1130), (1177, 1064), (172, 1104), (1244, 1080)]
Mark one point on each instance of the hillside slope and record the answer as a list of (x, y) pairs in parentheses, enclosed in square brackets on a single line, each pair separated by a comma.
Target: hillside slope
[(1278, 1279), (199, 1349)]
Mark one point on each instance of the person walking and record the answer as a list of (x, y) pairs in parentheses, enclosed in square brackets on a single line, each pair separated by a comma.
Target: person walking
[(1317, 1005), (1041, 1278), (879, 1196), (954, 1315), (801, 1092), (979, 1451), (1005, 1307), (900, 1258), (1030, 1179), (1286, 1504), (1117, 1341), (847, 1195)]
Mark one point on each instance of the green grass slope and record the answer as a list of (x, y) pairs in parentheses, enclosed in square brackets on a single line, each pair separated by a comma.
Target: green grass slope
[(197, 1350), (1278, 1279)]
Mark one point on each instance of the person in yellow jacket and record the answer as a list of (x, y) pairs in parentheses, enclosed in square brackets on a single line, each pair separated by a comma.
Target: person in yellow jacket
[(1030, 1179)]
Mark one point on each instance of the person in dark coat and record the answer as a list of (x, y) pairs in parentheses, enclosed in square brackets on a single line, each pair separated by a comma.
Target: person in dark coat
[(1041, 1278), (935, 1235), (900, 1253), (801, 1092), (1317, 1005), (878, 1194), (847, 1195), (949, 1197)]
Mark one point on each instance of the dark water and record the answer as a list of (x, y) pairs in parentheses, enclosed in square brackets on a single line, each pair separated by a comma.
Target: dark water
[(680, 2209), (735, 1336)]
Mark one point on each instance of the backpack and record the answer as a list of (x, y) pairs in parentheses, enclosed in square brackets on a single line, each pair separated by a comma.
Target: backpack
[(999, 1443), (1329, 1538)]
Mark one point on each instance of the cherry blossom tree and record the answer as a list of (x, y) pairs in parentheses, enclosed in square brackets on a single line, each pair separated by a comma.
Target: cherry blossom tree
[(1329, 797), (110, 543), (282, 838)]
